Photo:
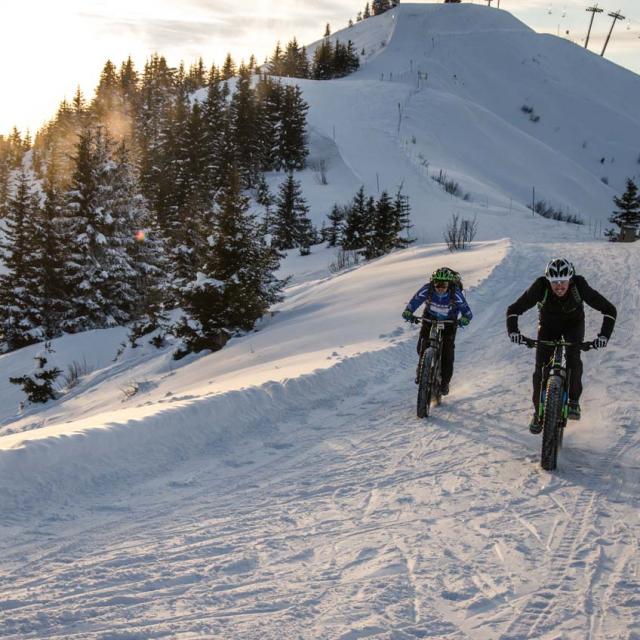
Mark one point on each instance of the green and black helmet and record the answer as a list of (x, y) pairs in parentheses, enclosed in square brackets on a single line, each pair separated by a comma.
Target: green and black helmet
[(444, 274)]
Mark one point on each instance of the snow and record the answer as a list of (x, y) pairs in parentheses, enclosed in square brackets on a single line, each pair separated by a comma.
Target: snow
[(283, 487)]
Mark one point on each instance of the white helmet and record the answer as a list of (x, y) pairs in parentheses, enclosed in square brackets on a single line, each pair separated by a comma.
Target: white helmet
[(559, 270)]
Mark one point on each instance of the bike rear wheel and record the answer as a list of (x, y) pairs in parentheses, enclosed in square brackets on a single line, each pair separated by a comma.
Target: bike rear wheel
[(552, 423), (424, 383)]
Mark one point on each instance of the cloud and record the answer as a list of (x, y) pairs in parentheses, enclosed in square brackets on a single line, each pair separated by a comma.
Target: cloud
[(161, 34), (210, 28)]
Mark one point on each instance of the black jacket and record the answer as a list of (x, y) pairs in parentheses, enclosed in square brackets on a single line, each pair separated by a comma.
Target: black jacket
[(569, 308)]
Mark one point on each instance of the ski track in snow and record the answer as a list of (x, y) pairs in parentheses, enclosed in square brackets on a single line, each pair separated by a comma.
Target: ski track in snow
[(356, 520)]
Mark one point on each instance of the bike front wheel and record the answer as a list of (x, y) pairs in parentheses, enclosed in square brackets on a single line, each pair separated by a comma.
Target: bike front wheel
[(552, 424), (424, 383)]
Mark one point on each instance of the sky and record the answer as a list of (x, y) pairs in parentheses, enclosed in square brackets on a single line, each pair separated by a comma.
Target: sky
[(49, 49)]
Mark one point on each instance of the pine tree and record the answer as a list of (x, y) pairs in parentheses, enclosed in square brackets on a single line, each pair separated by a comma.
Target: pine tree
[(294, 63), (155, 110), (367, 11), (107, 99), (245, 127), (382, 231), (357, 224), (39, 385), (236, 284), (340, 64), (213, 122), (99, 273), (628, 212), (291, 226), (292, 130), (16, 149), (327, 30), (50, 266), (265, 199), (5, 173), (79, 104), (20, 301), (128, 82), (323, 59), (352, 58), (146, 253), (124, 214), (276, 62), (196, 78), (214, 75), (334, 232), (228, 68), (402, 213), (303, 69), (269, 97), (380, 6)]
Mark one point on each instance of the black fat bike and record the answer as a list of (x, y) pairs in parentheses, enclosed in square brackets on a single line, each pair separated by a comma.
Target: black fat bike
[(553, 406), (429, 375)]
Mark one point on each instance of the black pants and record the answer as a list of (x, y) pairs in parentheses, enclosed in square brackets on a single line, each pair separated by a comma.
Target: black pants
[(572, 331), (448, 347)]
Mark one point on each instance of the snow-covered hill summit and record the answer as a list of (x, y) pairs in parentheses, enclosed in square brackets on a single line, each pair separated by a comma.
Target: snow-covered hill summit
[(501, 109)]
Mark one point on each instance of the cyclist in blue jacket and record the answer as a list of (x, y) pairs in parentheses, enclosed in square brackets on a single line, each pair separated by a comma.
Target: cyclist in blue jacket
[(443, 300)]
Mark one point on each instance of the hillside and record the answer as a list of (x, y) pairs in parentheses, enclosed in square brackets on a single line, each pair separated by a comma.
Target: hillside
[(283, 487), (482, 66)]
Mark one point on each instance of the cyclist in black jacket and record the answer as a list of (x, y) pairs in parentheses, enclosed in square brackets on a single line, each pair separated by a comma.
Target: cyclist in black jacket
[(560, 295)]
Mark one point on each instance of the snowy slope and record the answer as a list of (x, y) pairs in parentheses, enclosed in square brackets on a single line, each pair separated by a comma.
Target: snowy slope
[(282, 487), (466, 118), (320, 507)]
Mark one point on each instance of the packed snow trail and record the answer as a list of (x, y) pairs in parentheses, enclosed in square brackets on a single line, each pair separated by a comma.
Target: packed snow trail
[(357, 520)]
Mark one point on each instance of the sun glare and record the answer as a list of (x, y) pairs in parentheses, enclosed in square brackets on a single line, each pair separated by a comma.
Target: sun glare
[(48, 49)]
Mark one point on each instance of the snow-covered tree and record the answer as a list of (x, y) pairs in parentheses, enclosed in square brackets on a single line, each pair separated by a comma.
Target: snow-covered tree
[(357, 224), (51, 259), (102, 216), (39, 385), (20, 302), (245, 128), (291, 226), (333, 234), (292, 130), (236, 283)]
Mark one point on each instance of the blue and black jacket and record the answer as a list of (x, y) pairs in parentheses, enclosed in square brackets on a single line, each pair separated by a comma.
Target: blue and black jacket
[(446, 306)]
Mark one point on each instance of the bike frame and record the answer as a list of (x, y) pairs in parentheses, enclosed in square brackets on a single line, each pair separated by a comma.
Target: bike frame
[(554, 424), (433, 381), (556, 366)]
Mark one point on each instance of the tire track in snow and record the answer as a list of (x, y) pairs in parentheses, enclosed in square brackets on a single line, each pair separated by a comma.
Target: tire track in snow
[(369, 524)]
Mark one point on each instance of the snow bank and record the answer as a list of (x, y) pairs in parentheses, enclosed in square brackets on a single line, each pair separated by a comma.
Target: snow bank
[(325, 341)]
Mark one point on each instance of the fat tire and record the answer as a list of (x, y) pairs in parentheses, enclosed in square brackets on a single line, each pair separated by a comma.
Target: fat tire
[(436, 381), (424, 383), (552, 424)]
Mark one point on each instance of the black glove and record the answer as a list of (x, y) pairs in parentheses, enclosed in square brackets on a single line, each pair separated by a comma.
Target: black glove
[(600, 342)]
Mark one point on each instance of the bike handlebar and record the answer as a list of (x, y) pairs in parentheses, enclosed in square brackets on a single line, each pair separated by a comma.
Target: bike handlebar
[(583, 346), (417, 320)]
